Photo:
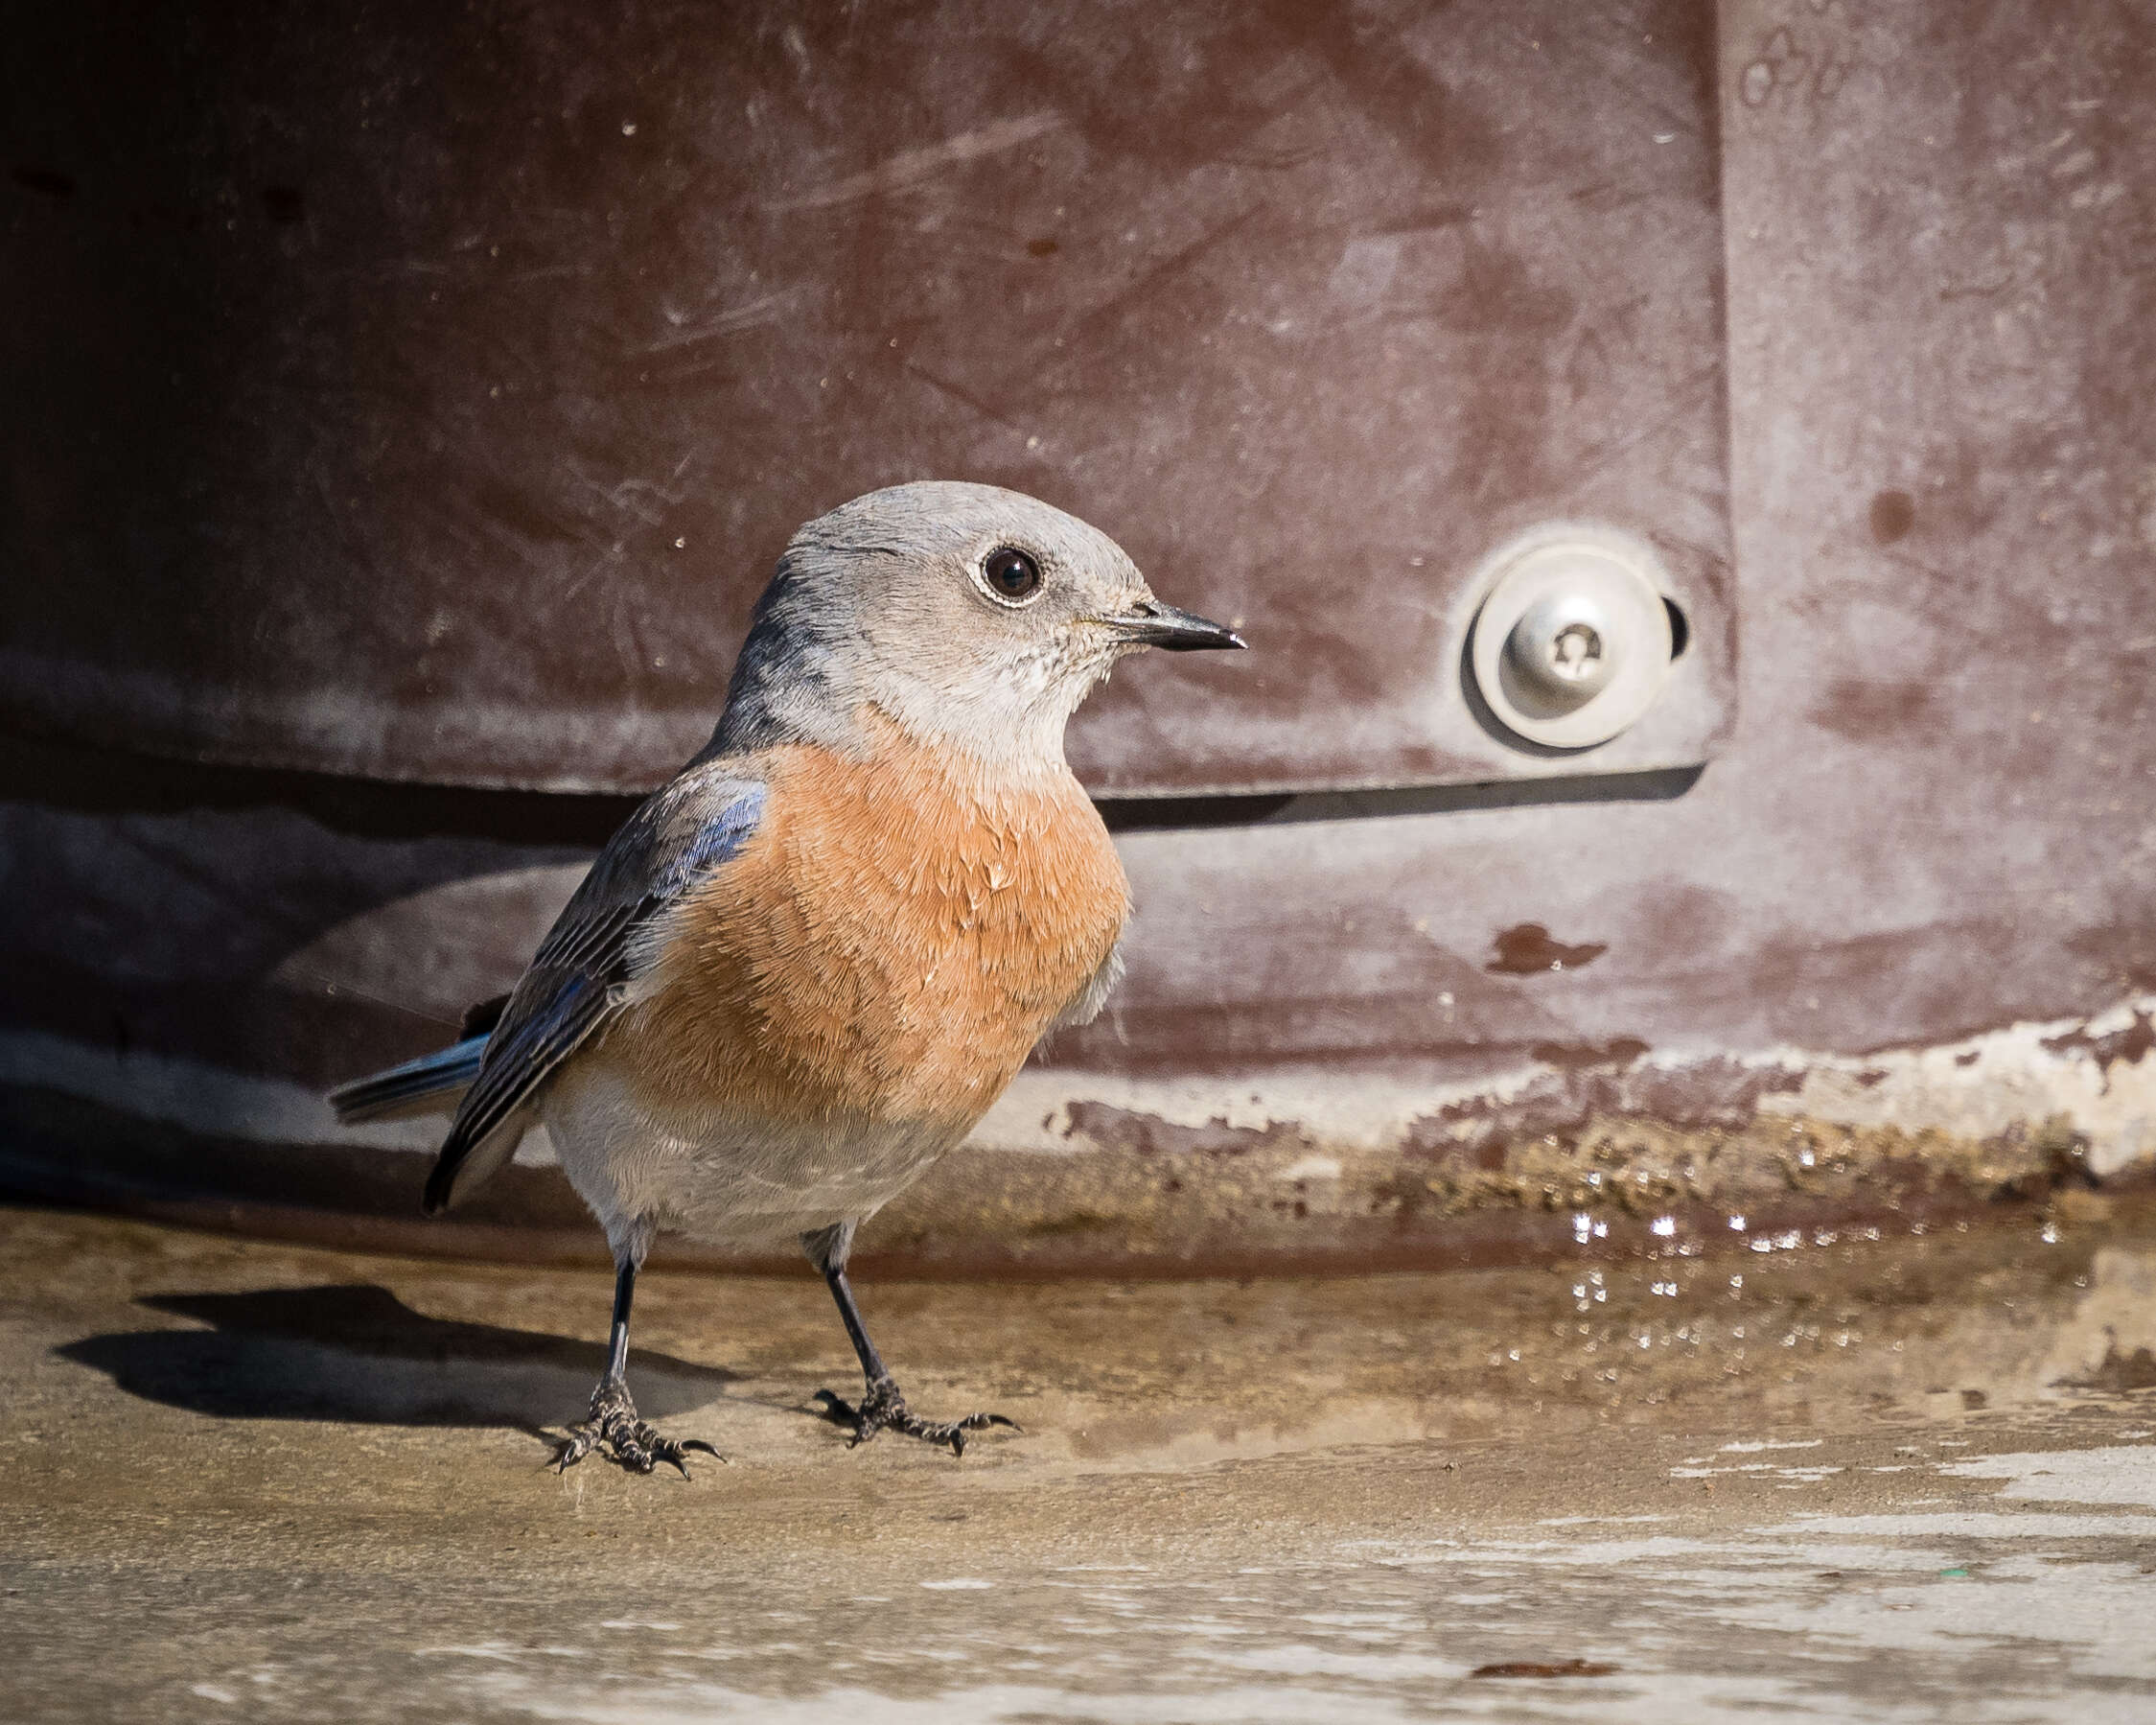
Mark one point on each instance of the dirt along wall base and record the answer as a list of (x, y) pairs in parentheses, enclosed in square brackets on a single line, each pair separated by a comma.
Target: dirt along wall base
[(1306, 1171)]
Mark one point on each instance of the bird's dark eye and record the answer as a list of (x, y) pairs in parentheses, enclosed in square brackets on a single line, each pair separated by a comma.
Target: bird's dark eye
[(1010, 574)]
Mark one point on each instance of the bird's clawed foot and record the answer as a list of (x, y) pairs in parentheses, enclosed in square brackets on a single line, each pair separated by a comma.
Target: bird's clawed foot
[(884, 1410), (613, 1427)]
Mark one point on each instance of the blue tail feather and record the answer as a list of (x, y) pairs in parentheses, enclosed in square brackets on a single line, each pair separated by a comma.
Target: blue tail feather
[(431, 1083)]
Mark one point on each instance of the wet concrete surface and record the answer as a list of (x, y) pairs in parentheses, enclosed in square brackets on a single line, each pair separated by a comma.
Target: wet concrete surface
[(1812, 1477)]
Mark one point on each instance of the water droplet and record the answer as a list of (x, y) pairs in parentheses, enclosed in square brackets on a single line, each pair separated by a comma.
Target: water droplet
[(1758, 82)]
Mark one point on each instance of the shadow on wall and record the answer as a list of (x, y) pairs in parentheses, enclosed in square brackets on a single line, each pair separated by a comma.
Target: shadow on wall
[(359, 1353)]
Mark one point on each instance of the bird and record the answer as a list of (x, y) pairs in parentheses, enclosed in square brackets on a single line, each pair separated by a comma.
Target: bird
[(803, 970)]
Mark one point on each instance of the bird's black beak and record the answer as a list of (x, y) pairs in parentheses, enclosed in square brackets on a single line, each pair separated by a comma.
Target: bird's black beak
[(1152, 624)]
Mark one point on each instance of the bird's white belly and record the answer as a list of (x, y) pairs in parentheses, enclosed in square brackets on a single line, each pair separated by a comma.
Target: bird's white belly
[(720, 1177)]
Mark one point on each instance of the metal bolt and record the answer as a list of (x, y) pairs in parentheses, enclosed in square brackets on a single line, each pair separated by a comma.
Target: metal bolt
[(1563, 650), (1572, 641)]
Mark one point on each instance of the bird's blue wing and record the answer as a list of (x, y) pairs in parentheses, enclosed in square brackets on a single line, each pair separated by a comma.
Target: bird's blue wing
[(579, 975)]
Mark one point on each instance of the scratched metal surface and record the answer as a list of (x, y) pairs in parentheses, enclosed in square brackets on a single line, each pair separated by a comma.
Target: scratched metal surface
[(1923, 856), (426, 392)]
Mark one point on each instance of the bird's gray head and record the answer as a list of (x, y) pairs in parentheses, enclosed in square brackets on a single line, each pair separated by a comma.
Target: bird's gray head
[(971, 616)]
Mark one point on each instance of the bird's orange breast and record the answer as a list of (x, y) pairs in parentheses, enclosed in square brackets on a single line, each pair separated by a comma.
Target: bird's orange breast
[(890, 943)]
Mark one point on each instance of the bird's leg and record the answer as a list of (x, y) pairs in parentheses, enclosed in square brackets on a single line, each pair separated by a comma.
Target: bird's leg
[(883, 1406), (613, 1425)]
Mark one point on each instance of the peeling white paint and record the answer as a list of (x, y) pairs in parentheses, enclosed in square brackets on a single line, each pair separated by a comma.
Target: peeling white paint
[(1974, 1088), (2024, 1075), (1980, 1086)]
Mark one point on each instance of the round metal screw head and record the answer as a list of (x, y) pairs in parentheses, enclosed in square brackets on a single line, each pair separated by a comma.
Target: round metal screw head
[(1562, 649), (1572, 640)]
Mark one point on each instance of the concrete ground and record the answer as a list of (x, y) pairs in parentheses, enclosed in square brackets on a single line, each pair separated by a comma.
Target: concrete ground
[(1806, 1475)]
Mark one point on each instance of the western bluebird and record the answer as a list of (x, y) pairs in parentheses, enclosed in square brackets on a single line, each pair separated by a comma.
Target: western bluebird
[(805, 969)]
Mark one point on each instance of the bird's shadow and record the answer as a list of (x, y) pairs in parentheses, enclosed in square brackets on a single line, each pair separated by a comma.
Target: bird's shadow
[(358, 1353)]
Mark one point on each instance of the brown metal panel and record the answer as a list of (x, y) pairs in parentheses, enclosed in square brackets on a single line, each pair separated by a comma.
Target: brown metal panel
[(1913, 891), (424, 391)]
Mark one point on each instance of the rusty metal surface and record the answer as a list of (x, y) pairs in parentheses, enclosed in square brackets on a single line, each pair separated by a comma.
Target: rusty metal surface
[(1910, 898), (426, 392)]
